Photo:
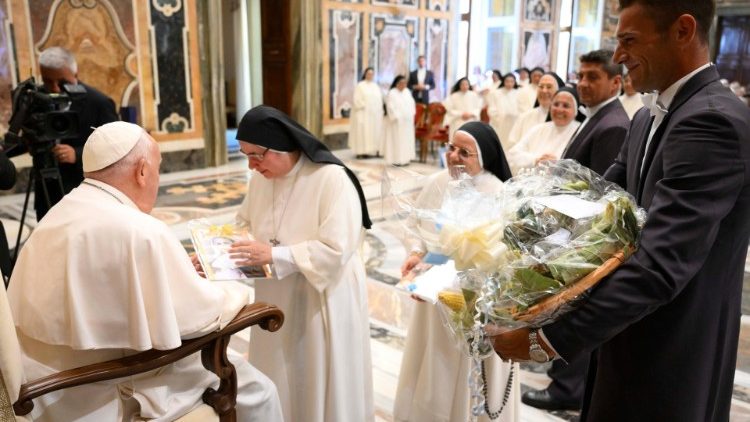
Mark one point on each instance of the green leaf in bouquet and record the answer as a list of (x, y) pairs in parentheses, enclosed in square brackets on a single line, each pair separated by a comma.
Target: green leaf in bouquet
[(522, 234), (532, 282), (470, 297), (578, 185), (575, 264)]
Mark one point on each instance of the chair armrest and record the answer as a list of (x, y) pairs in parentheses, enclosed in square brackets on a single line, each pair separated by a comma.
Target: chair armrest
[(269, 317)]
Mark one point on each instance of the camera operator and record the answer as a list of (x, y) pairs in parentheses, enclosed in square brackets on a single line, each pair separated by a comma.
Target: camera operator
[(7, 172), (58, 67)]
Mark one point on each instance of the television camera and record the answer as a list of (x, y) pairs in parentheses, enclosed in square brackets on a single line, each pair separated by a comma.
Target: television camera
[(40, 118), (39, 121)]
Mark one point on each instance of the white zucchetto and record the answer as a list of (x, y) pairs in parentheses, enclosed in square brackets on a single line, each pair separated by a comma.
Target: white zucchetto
[(109, 143)]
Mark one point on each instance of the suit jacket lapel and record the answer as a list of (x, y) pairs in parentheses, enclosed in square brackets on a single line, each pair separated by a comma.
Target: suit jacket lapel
[(693, 85), (580, 135)]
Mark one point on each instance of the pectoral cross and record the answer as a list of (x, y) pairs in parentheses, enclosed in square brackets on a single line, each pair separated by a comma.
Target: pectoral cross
[(275, 242)]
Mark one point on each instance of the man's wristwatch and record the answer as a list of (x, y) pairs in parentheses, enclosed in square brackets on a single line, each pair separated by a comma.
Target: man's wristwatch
[(536, 353)]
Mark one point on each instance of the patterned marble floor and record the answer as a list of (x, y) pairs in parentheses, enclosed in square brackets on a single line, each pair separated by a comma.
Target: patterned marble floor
[(215, 194)]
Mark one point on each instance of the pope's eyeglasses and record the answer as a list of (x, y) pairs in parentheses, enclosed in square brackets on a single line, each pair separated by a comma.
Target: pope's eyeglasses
[(463, 153)]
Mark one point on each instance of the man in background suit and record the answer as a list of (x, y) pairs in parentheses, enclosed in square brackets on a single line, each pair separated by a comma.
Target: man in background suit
[(58, 67), (421, 81), (595, 145), (667, 321)]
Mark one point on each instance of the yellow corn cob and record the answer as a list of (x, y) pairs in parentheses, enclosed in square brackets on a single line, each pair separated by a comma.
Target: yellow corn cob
[(453, 300)]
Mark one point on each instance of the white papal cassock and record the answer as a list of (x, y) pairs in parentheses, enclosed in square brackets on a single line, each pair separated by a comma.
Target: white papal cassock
[(320, 358), (433, 384), (399, 127), (98, 279), (366, 122)]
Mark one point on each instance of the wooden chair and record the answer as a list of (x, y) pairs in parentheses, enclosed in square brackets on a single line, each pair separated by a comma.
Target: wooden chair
[(484, 116), (421, 129), (213, 348), (437, 131)]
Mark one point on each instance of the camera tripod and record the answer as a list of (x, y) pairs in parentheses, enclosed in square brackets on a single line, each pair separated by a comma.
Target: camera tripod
[(45, 169)]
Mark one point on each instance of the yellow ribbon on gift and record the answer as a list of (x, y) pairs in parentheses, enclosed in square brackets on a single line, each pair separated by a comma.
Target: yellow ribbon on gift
[(480, 247)]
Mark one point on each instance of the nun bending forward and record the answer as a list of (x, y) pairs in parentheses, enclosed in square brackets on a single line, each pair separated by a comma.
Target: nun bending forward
[(433, 384), (307, 213)]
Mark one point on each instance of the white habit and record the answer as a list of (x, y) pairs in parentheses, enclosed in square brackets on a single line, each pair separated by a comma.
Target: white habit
[(366, 122), (399, 127), (522, 126), (527, 97), (320, 358), (456, 105), (98, 279), (502, 107), (546, 138), (631, 103), (433, 384)]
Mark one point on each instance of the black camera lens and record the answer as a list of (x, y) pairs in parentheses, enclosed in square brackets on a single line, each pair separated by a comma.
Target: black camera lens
[(60, 123)]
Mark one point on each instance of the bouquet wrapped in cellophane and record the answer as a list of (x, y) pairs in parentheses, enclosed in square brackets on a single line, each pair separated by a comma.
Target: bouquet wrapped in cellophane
[(527, 254)]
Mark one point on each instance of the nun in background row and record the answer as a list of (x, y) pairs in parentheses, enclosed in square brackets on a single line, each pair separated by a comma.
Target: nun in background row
[(366, 122), (308, 215), (398, 147), (547, 86), (462, 105), (433, 384), (548, 140), (502, 108)]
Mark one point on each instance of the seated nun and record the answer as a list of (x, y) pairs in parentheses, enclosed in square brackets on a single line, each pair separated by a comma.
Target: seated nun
[(114, 281), (548, 140)]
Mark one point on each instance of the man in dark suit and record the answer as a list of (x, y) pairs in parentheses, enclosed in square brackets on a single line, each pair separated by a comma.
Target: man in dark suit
[(421, 81), (667, 322), (595, 145), (58, 67)]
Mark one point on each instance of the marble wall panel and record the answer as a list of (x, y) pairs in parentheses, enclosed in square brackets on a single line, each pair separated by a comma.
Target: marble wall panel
[(538, 33), (413, 4), (143, 54), (7, 67), (174, 107), (609, 24), (536, 48), (393, 46), (92, 30), (436, 47), (439, 5), (539, 10), (345, 60), (388, 36)]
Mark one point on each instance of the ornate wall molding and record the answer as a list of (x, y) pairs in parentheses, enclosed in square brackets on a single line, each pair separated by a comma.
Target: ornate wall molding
[(387, 35), (141, 53)]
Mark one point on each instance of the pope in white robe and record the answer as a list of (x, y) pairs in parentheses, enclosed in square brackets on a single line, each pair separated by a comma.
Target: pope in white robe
[(399, 124), (366, 119), (307, 218), (463, 105), (100, 279), (433, 384), (548, 140)]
